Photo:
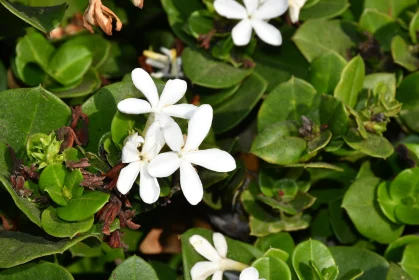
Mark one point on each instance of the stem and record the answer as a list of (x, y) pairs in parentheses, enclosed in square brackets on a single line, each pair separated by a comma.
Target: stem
[(228, 264)]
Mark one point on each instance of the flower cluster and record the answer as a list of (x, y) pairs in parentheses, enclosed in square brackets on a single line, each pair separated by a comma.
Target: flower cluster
[(142, 154), (254, 15)]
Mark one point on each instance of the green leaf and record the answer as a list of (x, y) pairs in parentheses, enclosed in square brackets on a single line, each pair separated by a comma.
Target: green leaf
[(26, 111), (56, 227), (288, 101), (351, 82), (280, 240), (333, 113), (204, 71), (324, 9), (364, 211), (43, 18), (300, 202), (72, 182), (408, 94), (341, 225), (27, 207), (200, 23), (177, 21), (414, 28), (88, 84), (69, 63), (349, 258), (316, 252), (3, 77), (270, 268), (232, 111), (84, 207), (395, 272), (410, 260), (374, 145), (237, 250), (42, 270), (217, 97), (51, 181), (392, 7), (381, 25), (19, 247), (313, 40), (387, 205), (325, 72), (121, 125), (132, 268), (403, 55), (394, 251), (319, 142), (388, 79), (278, 144)]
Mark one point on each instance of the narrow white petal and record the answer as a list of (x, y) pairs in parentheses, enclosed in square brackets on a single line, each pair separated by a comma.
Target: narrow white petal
[(230, 9), (190, 183), (184, 111), (198, 127), (155, 63), (173, 136), (127, 177), (251, 5), (203, 270), (157, 75), (271, 9), (134, 139), (149, 187), (154, 140), (173, 91), (204, 248), (130, 153), (249, 273), (267, 32), (212, 159), (242, 33), (294, 9), (134, 106), (164, 165), (220, 244), (165, 51), (218, 275), (143, 81)]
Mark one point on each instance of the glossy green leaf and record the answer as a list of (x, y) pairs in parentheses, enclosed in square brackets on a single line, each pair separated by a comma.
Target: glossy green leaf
[(332, 112), (121, 125), (319, 142), (313, 41), (395, 272), (200, 23), (56, 227), (325, 72), (300, 202), (387, 205), (350, 258), (42, 270), (316, 252), (351, 82), (280, 240), (403, 55), (410, 260), (3, 77), (217, 97), (231, 112), (408, 94), (288, 101), (204, 71), (69, 63), (394, 251), (270, 268), (341, 225), (132, 267), (279, 144), (20, 247), (88, 84), (84, 207), (374, 145), (414, 28), (324, 9), (392, 7), (43, 18), (51, 181), (388, 79), (363, 209)]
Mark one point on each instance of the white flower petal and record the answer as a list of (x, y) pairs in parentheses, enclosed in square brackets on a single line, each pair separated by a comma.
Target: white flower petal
[(220, 244), (242, 33), (294, 9), (127, 176), (154, 140), (218, 275), (184, 111), (230, 9), (146, 85), (130, 153), (198, 127), (173, 136), (157, 75), (249, 273), (134, 106), (155, 63), (212, 159), (251, 5), (149, 186), (173, 91), (271, 9), (204, 248), (164, 165), (134, 139), (267, 32), (190, 183), (203, 270)]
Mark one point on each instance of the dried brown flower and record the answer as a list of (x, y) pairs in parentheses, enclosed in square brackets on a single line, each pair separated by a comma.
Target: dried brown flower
[(97, 14)]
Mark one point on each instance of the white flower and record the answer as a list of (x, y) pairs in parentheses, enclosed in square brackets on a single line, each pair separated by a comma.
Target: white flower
[(163, 108), (294, 9), (218, 261), (138, 162), (254, 15), (169, 63), (184, 155), (250, 273)]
